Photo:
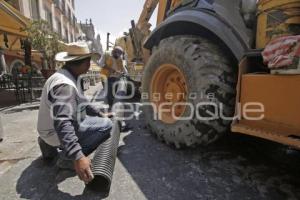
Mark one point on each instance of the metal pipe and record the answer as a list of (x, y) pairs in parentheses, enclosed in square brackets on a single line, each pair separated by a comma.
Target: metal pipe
[(105, 156), (107, 41)]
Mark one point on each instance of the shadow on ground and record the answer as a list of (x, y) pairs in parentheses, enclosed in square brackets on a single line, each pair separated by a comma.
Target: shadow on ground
[(42, 181), (236, 167), (8, 98)]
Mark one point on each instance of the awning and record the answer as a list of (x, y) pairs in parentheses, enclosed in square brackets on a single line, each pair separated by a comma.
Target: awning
[(11, 24)]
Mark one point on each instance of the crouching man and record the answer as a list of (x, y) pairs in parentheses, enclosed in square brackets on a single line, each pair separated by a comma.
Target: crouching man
[(63, 121)]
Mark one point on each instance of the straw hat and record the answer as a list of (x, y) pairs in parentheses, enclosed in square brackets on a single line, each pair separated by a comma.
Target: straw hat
[(75, 51)]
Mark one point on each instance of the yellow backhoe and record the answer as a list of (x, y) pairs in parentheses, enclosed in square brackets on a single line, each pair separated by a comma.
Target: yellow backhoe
[(205, 75), (132, 42)]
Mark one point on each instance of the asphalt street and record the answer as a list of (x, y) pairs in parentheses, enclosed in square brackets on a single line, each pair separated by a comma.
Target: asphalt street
[(236, 167)]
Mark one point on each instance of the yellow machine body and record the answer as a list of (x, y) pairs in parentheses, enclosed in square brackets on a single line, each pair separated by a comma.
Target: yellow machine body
[(277, 18)]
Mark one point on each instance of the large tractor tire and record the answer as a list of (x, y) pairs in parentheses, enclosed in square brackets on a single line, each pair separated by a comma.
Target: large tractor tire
[(199, 69)]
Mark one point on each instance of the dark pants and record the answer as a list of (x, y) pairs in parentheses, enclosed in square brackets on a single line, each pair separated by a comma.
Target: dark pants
[(92, 132), (110, 93)]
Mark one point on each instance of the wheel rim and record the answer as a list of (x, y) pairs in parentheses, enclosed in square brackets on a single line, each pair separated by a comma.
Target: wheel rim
[(168, 85)]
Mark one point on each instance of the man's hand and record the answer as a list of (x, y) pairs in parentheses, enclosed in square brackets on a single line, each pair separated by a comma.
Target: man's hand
[(119, 72), (83, 169), (111, 70), (107, 115)]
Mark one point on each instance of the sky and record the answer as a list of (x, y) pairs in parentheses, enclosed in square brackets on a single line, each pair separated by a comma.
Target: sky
[(112, 16)]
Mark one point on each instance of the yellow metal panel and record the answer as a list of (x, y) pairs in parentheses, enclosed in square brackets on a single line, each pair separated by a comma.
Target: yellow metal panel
[(275, 18), (161, 11), (265, 134), (163, 6), (281, 105), (175, 3), (270, 4)]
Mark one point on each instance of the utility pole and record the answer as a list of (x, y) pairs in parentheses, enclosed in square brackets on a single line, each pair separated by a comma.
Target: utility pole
[(107, 41), (27, 50), (3, 66)]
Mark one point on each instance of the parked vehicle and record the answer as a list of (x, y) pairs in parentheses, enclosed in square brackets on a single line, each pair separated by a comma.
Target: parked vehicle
[(195, 54)]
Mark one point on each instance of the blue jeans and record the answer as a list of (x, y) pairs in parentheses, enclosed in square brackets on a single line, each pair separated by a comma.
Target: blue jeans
[(92, 132)]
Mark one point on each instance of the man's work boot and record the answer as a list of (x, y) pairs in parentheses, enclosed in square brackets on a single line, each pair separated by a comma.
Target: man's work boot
[(48, 152)]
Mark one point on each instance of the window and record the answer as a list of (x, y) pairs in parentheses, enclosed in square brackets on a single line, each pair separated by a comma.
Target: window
[(59, 31), (66, 36), (57, 3), (34, 4), (70, 14), (14, 3), (63, 6), (49, 18), (71, 38), (74, 21)]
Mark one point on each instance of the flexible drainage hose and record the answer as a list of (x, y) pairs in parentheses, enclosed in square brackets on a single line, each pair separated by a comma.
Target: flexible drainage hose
[(105, 156)]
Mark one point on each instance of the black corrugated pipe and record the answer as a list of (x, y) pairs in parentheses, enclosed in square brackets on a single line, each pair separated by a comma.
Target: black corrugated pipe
[(105, 156)]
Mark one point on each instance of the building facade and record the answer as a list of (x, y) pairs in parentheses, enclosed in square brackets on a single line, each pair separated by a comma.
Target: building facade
[(60, 14), (89, 35)]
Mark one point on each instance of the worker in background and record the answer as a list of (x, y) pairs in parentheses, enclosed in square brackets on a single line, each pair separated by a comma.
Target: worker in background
[(112, 68), (65, 120)]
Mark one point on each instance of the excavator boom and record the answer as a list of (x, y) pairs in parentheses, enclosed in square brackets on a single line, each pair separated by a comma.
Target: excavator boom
[(147, 12)]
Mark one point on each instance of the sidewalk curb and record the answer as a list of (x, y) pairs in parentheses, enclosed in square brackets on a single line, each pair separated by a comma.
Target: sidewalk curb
[(33, 106)]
